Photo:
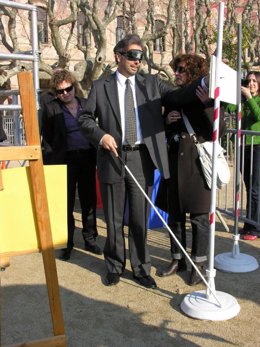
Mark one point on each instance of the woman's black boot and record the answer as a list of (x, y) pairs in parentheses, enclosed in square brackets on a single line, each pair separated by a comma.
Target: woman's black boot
[(194, 276), (177, 265)]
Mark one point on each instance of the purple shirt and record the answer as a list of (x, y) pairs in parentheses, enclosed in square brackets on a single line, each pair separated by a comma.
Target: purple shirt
[(75, 138)]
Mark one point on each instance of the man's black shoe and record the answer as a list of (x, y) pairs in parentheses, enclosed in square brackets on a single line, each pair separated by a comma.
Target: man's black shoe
[(93, 248), (65, 254), (112, 279), (146, 281)]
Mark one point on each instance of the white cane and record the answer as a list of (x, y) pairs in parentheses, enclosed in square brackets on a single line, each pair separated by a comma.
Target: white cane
[(169, 229)]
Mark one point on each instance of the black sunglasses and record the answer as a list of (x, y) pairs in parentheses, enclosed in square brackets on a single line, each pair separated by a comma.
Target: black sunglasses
[(180, 69), (133, 54), (67, 90)]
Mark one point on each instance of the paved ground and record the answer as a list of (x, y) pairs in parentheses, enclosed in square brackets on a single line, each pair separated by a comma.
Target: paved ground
[(126, 315)]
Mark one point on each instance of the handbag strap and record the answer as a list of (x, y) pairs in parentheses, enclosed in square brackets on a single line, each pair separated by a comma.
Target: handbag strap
[(189, 127)]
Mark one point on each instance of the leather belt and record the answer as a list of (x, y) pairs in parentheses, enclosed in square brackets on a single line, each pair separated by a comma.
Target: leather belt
[(127, 148)]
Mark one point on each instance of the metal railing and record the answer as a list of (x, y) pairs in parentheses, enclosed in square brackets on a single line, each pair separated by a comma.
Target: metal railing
[(12, 119), (226, 197), (32, 56), (11, 113)]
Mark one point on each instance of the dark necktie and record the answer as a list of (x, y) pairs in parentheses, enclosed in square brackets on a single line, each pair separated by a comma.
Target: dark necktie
[(130, 121)]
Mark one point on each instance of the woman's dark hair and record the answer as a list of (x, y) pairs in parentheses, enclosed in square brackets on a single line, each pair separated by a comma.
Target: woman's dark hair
[(195, 65), (257, 77)]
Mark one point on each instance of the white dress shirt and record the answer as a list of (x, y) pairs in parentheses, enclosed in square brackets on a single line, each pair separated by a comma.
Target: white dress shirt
[(121, 94)]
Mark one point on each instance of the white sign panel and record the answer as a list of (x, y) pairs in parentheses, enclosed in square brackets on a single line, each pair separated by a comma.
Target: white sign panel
[(227, 83)]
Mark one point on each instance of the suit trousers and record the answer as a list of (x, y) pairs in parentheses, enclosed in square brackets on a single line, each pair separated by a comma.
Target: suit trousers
[(114, 203), (81, 176)]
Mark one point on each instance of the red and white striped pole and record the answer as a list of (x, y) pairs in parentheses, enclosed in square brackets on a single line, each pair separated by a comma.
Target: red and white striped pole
[(201, 304), (211, 272)]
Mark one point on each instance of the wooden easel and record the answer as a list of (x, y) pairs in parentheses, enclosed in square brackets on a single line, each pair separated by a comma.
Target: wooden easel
[(32, 153)]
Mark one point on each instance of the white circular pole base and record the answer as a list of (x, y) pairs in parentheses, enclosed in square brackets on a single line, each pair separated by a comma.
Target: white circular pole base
[(198, 305), (239, 263)]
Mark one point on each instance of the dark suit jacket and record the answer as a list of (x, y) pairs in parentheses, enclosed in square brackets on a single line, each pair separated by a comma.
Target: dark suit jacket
[(103, 105)]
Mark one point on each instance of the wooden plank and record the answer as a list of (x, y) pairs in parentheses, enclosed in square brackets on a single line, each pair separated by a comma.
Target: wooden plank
[(28, 102), (20, 153), (56, 341)]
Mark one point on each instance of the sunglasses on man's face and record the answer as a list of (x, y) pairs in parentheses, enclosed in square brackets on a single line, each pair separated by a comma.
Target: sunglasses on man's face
[(62, 91), (133, 55), (180, 69)]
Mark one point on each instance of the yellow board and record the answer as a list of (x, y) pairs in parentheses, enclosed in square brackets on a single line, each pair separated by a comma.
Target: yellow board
[(18, 232)]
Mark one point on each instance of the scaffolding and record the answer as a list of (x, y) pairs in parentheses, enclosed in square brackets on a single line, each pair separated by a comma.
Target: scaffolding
[(13, 122)]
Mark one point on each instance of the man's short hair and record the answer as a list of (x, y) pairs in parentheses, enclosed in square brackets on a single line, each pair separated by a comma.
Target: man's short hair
[(130, 39)]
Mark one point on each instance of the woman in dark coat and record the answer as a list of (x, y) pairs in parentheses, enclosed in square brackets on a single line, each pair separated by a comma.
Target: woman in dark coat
[(187, 188)]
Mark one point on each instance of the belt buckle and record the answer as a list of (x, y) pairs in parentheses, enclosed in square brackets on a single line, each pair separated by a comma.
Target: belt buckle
[(129, 148), (132, 148)]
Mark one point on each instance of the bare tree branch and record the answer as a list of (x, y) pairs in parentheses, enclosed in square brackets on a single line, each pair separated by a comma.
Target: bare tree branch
[(11, 14), (182, 31)]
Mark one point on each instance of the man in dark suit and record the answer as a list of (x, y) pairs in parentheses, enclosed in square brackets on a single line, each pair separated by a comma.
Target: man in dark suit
[(107, 102)]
